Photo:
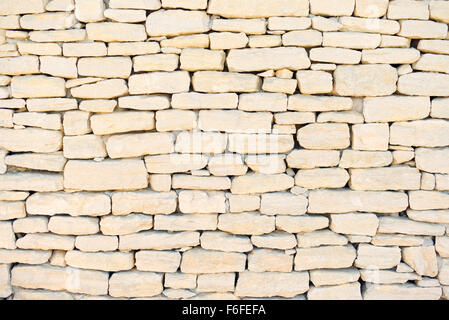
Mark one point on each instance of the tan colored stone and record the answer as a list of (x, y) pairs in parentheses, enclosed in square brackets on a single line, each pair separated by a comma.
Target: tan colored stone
[(200, 142), (12, 210), (37, 87), (326, 257), (351, 40), (253, 9), (260, 183), (241, 60), (7, 236), (222, 241), (201, 202), (432, 160), (401, 291), (309, 159), (84, 147), (391, 178), (103, 124), (139, 144), (271, 284), (34, 257), (416, 29), (157, 240), (148, 202), (220, 82), (177, 22), (330, 8), (343, 201), (248, 223), (157, 261), (371, 8), (56, 278), (328, 277), (406, 226), (298, 224), (46, 241), (422, 259), (128, 224), (322, 178), (135, 284), (320, 238), (332, 136), (355, 223), (395, 108), (109, 175), (424, 84), (204, 261), (115, 31), (31, 181), (420, 133), (104, 261), (349, 291), (372, 257), (159, 82), (105, 89)]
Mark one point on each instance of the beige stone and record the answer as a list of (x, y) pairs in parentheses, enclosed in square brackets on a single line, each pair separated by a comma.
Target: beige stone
[(135, 145), (260, 144), (157, 261), (391, 178), (181, 222), (298, 224), (322, 178), (106, 67), (159, 82), (371, 8), (422, 259), (200, 142), (351, 40), (147, 202), (332, 136), (157, 240), (156, 62), (12, 210), (31, 181), (193, 59), (432, 62), (330, 8), (226, 165), (46, 241), (263, 260), (89, 11), (320, 238), (253, 9), (248, 223), (406, 226), (7, 236), (104, 261), (242, 203), (395, 108), (152, 102), (326, 277), (220, 82), (109, 175), (349, 291), (84, 147), (201, 202), (416, 29), (128, 224), (309, 159), (223, 241), (115, 31), (325, 257), (177, 22), (106, 89), (372, 257), (39, 161), (420, 133), (343, 201), (260, 183), (175, 163), (432, 160), (34, 257), (355, 223), (227, 40), (302, 38), (103, 124), (241, 60), (37, 87), (401, 291), (19, 65), (95, 243), (335, 55), (135, 284), (314, 82), (204, 261), (283, 203), (357, 80), (413, 84), (57, 278), (439, 108)]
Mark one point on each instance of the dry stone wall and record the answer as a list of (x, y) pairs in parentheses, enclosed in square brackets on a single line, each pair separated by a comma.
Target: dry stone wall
[(224, 149)]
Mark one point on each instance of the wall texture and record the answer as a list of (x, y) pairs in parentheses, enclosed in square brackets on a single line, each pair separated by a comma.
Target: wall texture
[(224, 149)]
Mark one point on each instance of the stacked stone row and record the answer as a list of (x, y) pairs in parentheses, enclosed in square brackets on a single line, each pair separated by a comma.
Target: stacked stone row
[(224, 149)]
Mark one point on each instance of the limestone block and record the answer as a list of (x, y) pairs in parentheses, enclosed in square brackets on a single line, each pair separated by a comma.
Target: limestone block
[(89, 11), (193, 59), (223, 241), (128, 224), (269, 164), (263, 260), (7, 236), (407, 226), (74, 204), (365, 159), (204, 261), (157, 261), (320, 238), (331, 136), (331, 277), (46, 241), (395, 108), (177, 22), (186, 222), (406, 9), (357, 80), (283, 203), (275, 240), (335, 55), (343, 201), (34, 257), (420, 133), (271, 284), (106, 89), (254, 9), (227, 40), (156, 62), (175, 163), (351, 40), (104, 261), (302, 38), (428, 200), (84, 147), (261, 183), (314, 82), (349, 291), (201, 202), (424, 84), (139, 144), (12, 210), (330, 8), (220, 82), (95, 243), (37, 87), (260, 144), (115, 31), (135, 4), (31, 181), (226, 165), (422, 259), (244, 60), (401, 291), (19, 65), (105, 67), (235, 121), (355, 223), (391, 55), (322, 178), (248, 223), (152, 102), (159, 82), (63, 279), (372, 257), (432, 160), (5, 281), (416, 29), (371, 8), (200, 142), (300, 224), (103, 124), (242, 203), (148, 202), (106, 175), (309, 159), (439, 11), (20, 7), (216, 282), (47, 21), (325, 257), (135, 284)]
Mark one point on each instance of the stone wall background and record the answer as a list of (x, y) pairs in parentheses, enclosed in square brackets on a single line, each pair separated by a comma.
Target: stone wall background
[(224, 149)]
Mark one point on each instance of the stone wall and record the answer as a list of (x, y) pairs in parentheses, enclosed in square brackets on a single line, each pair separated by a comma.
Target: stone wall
[(224, 149)]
